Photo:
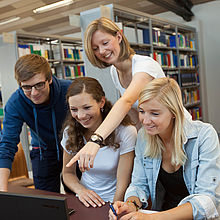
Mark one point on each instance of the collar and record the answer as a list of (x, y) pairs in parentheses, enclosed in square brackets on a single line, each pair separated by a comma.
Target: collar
[(189, 130)]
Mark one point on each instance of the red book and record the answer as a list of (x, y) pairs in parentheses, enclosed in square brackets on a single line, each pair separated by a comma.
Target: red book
[(168, 60), (79, 70)]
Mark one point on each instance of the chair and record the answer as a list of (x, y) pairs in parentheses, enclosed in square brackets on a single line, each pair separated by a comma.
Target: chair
[(19, 172)]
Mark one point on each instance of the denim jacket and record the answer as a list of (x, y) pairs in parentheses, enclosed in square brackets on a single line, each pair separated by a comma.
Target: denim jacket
[(201, 171)]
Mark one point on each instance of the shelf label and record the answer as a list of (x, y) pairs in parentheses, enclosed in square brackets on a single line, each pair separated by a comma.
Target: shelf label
[(8, 38)]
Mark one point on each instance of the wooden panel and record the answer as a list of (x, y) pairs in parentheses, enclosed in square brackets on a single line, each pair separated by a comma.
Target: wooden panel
[(6, 9), (15, 25), (71, 31), (23, 3), (33, 28), (21, 11), (7, 2), (55, 31)]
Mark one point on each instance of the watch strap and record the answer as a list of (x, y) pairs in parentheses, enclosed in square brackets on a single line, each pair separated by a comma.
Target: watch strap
[(99, 140)]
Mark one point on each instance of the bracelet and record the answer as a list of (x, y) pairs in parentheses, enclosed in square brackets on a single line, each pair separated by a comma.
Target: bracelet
[(134, 202)]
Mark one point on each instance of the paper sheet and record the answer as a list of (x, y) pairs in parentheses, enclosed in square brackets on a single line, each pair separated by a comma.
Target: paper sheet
[(146, 211)]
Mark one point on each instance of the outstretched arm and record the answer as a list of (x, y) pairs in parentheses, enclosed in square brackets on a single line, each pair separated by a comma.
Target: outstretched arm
[(124, 170), (182, 212), (4, 176), (87, 154)]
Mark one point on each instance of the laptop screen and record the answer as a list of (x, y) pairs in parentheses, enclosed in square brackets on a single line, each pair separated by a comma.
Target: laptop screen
[(34, 207)]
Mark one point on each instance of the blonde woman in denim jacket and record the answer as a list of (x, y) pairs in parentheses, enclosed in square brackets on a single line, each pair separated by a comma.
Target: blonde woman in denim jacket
[(177, 161)]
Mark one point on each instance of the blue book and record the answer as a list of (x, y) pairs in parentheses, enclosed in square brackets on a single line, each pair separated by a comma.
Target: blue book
[(172, 40), (162, 38), (146, 36), (175, 60)]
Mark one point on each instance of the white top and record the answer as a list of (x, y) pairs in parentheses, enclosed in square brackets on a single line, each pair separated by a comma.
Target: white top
[(140, 63), (102, 178), (146, 64)]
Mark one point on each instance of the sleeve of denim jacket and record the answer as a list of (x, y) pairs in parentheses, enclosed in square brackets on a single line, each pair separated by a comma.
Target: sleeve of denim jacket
[(206, 194), (139, 183)]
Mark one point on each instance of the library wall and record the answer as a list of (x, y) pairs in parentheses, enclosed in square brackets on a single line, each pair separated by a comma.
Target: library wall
[(206, 20)]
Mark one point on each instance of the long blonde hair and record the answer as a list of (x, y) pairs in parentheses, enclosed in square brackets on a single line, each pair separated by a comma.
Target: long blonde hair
[(108, 26), (167, 93)]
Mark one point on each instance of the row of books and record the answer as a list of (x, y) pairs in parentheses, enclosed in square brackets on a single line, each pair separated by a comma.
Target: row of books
[(42, 50), (172, 74), (71, 72), (186, 41), (196, 113), (189, 79), (166, 59), (72, 53), (143, 52), (183, 40), (190, 96), (169, 59), (188, 61), (161, 38), (50, 51)]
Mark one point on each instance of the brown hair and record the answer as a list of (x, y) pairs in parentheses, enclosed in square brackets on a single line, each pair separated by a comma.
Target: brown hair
[(29, 65), (108, 26), (75, 129)]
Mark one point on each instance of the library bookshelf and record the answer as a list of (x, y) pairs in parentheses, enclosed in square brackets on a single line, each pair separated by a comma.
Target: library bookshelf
[(64, 54), (174, 46)]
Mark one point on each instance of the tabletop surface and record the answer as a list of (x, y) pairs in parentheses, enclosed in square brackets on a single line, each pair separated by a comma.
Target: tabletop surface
[(81, 212)]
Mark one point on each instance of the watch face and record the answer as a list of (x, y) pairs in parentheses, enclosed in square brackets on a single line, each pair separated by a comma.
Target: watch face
[(94, 137)]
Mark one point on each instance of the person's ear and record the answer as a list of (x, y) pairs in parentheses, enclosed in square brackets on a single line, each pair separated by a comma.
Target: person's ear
[(102, 102), (50, 81), (119, 37)]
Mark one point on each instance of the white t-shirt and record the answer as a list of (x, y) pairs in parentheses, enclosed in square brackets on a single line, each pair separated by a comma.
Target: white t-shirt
[(102, 178), (140, 63), (146, 64)]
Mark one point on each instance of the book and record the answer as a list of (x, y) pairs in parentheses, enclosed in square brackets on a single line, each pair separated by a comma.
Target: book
[(146, 36)]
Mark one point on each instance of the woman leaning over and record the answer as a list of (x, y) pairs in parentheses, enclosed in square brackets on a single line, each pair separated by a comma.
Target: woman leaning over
[(105, 45), (177, 160)]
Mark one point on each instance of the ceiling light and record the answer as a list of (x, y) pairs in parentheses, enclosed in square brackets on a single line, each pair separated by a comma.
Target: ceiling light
[(9, 20), (53, 6)]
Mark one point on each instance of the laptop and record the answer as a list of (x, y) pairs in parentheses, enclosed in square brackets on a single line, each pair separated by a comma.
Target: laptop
[(15, 206)]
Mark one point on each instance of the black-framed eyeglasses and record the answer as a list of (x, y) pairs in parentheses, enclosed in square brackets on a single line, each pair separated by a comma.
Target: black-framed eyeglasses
[(37, 86)]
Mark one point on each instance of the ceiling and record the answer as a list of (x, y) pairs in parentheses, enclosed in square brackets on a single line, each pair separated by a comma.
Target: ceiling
[(56, 22)]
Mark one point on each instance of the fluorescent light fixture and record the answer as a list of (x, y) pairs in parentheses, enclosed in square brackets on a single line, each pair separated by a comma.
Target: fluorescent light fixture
[(9, 20), (53, 6), (54, 42)]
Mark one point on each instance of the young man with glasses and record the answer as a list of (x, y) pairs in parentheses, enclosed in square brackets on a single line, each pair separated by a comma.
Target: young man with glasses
[(40, 103)]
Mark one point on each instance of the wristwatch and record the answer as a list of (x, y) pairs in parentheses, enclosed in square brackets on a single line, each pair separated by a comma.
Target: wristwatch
[(96, 138)]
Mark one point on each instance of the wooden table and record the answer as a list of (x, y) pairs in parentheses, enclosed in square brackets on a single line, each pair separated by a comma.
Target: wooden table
[(82, 212)]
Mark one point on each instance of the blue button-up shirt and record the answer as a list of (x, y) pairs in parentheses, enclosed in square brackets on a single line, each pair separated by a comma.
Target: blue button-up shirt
[(201, 171)]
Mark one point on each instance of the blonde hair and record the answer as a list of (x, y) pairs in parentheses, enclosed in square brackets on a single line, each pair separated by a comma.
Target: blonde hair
[(167, 92), (108, 26)]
